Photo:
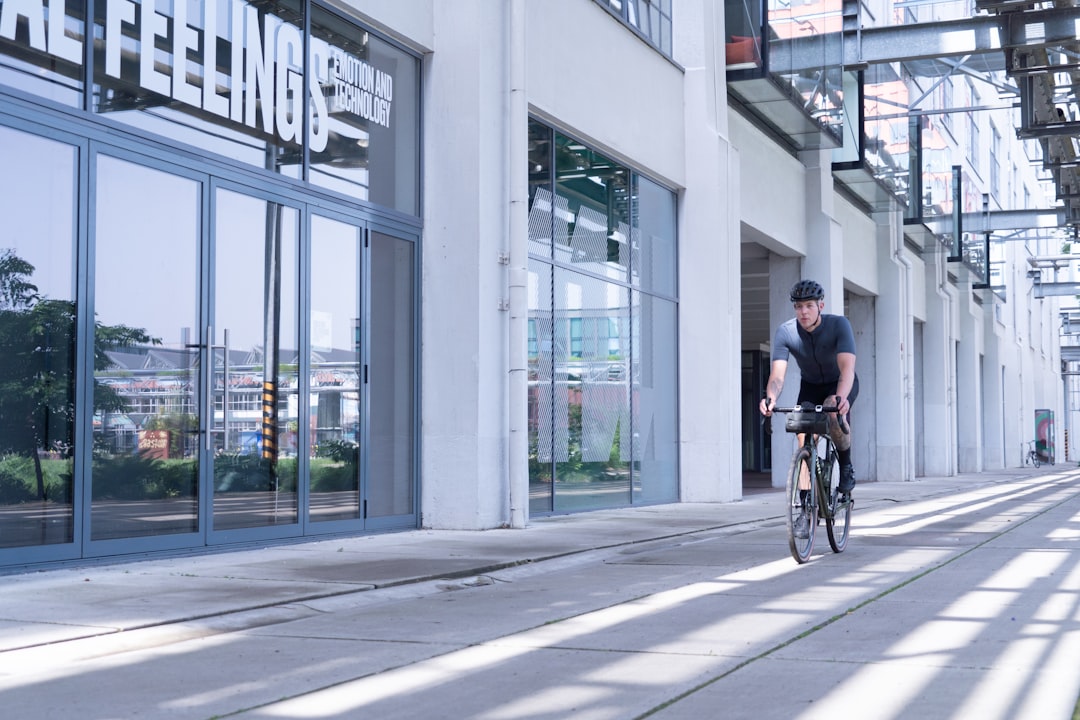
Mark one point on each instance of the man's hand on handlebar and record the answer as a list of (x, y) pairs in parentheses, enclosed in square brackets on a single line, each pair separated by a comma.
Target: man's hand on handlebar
[(842, 405), (766, 406)]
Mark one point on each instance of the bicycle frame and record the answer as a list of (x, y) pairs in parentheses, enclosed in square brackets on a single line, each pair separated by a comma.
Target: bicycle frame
[(815, 470)]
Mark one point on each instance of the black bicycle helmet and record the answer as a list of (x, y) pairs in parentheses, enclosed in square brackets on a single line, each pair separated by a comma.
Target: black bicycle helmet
[(807, 290)]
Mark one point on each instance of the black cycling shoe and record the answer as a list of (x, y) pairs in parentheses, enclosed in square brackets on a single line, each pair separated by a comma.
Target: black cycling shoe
[(847, 479)]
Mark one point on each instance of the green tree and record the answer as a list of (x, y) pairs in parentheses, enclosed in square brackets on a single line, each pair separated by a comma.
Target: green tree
[(37, 366)]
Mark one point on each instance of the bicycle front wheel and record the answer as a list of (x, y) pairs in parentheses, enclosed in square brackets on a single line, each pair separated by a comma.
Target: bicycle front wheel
[(802, 506), (838, 519)]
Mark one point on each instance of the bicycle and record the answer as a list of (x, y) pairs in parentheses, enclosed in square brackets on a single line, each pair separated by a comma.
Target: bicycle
[(821, 471), (1032, 457)]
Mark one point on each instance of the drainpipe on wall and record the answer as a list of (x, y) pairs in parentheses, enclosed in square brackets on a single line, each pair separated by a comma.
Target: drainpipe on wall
[(518, 239), (949, 295), (907, 472)]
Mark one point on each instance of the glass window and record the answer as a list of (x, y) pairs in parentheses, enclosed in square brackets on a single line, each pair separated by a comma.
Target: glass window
[(602, 422), (391, 490), (593, 468), (41, 54), (596, 194), (365, 134), (239, 95), (37, 339), (651, 19), (547, 427), (654, 397), (653, 237)]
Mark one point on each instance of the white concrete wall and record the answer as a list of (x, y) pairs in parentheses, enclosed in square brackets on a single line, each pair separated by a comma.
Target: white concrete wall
[(772, 188), (464, 464), (410, 22), (861, 247)]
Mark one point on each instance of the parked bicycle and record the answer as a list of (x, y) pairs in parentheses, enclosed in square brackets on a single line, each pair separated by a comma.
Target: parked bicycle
[(812, 484)]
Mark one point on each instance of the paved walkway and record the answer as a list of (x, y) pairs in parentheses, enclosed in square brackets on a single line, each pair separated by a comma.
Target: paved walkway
[(100, 616)]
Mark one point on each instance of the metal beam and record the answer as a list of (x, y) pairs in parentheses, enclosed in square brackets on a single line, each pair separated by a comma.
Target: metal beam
[(1043, 290), (983, 35), (1002, 220)]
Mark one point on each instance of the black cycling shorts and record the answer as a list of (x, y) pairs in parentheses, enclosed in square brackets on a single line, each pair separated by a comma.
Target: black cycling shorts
[(818, 393)]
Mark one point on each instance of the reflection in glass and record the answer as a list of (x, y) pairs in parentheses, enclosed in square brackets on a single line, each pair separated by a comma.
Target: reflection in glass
[(146, 442), (595, 193), (810, 36), (255, 378), (653, 238), (654, 400), (390, 490), (37, 339), (239, 95), (541, 216), (742, 22), (592, 369), (368, 146), (41, 60), (335, 370), (541, 418)]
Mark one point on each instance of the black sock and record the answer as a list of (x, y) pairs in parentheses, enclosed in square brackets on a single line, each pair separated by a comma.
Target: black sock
[(845, 457)]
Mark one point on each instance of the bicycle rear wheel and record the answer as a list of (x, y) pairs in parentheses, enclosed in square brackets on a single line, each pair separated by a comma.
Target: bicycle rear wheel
[(801, 502), (838, 519)]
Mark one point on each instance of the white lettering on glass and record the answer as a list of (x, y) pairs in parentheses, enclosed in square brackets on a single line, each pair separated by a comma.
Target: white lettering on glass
[(264, 85), (318, 127), (212, 101), (152, 25), (60, 45), (34, 13), (184, 38), (119, 11), (290, 81), (258, 81)]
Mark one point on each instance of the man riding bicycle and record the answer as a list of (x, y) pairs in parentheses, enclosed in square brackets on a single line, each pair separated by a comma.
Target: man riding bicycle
[(823, 345)]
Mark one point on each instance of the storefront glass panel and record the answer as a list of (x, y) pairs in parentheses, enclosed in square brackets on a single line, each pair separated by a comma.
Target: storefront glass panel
[(335, 370), (40, 54), (240, 94), (544, 433), (255, 370), (654, 400), (653, 264), (365, 136), (592, 368), (145, 399), (37, 339), (592, 193), (602, 331), (391, 484)]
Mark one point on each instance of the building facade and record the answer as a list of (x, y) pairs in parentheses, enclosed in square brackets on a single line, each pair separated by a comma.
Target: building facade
[(499, 260)]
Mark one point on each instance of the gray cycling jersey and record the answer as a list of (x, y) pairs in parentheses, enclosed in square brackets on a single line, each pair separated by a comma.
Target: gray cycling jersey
[(816, 351)]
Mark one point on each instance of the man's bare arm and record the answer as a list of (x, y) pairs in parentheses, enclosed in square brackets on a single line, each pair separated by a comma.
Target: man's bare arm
[(773, 386)]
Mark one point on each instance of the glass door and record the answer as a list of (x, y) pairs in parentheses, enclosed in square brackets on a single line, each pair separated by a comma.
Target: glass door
[(144, 479), (336, 335), (253, 336)]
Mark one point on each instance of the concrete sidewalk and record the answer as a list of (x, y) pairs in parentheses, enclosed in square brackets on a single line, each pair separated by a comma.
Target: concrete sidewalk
[(68, 603)]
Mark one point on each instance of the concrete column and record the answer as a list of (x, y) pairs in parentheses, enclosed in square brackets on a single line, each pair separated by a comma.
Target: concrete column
[(939, 371), (894, 359), (783, 273), (710, 322), (466, 215), (969, 396), (824, 261)]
